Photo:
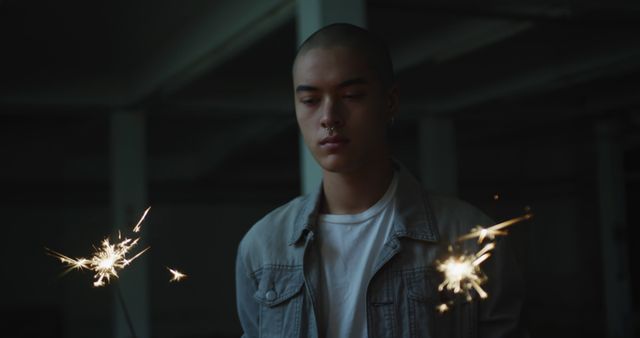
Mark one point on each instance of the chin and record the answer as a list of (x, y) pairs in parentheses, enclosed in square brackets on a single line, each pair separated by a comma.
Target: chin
[(337, 164)]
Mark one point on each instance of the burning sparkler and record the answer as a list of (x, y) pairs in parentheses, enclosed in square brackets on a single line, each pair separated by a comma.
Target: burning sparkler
[(107, 259), (462, 273), (176, 275)]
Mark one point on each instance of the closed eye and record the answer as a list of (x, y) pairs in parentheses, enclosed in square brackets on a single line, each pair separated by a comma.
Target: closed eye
[(309, 101), (354, 95)]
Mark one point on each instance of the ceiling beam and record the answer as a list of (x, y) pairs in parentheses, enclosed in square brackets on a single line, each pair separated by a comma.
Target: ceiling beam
[(454, 42), (607, 61), (214, 37), (230, 28), (468, 36)]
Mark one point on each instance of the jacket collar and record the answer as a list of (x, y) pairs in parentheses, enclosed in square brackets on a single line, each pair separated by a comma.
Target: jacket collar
[(414, 218)]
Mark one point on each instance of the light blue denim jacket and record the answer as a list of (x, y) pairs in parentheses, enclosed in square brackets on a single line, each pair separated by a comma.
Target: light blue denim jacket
[(277, 273)]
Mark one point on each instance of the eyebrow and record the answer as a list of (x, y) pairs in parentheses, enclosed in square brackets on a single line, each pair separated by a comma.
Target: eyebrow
[(305, 88), (351, 82), (347, 83)]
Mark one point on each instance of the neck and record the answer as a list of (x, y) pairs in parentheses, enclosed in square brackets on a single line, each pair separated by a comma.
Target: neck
[(355, 192)]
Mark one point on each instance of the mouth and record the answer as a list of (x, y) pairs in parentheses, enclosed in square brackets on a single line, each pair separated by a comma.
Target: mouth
[(334, 140), (333, 144)]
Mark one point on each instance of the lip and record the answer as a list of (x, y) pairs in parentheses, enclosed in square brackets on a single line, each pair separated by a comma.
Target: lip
[(333, 143), (336, 139)]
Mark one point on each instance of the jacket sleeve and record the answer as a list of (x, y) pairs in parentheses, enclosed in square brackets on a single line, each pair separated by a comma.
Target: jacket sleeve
[(499, 314), (248, 307)]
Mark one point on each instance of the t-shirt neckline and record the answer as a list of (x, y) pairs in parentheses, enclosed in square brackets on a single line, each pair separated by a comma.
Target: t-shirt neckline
[(367, 214)]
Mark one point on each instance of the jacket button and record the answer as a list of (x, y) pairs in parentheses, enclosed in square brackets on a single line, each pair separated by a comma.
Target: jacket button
[(271, 295)]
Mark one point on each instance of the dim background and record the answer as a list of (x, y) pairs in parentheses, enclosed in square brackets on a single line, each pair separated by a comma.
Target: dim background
[(536, 101)]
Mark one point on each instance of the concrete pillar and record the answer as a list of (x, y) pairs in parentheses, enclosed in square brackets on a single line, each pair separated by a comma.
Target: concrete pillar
[(312, 15), (128, 201), (438, 157), (613, 229)]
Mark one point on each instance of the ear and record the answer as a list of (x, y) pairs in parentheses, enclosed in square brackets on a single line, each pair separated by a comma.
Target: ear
[(393, 99)]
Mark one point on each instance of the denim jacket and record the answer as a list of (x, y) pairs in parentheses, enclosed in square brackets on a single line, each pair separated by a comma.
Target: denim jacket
[(277, 273)]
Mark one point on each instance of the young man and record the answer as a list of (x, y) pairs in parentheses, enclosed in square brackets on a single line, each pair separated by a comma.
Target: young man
[(356, 258)]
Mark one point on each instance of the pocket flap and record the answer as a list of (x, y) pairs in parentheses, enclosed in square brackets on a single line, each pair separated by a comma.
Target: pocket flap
[(277, 285)]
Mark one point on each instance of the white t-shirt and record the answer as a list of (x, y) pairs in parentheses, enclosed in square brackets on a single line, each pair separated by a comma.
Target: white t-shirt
[(349, 247)]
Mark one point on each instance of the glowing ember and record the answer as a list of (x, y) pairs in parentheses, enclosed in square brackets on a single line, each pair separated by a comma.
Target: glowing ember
[(107, 259), (442, 308), (137, 227), (491, 232), (176, 275)]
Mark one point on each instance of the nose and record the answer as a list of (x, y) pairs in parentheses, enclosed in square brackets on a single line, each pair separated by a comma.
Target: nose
[(331, 114)]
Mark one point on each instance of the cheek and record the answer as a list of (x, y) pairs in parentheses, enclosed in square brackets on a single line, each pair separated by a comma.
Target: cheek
[(371, 119), (373, 131), (305, 123)]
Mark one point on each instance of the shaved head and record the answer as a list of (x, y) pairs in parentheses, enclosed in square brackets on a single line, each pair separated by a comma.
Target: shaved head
[(360, 40)]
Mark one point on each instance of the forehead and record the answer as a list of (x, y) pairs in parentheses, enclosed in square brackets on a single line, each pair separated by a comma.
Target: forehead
[(330, 65)]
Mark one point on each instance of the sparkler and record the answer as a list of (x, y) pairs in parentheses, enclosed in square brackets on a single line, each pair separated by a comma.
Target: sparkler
[(462, 272), (493, 231), (176, 275), (107, 259)]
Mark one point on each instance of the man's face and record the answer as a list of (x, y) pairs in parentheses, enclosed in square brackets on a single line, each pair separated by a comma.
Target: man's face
[(335, 88)]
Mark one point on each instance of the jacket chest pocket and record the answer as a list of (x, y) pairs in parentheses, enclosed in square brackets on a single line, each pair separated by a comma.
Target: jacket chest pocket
[(422, 298), (402, 304), (280, 296)]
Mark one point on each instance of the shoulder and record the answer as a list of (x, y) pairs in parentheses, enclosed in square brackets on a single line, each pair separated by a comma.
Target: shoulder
[(267, 241), (455, 217)]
